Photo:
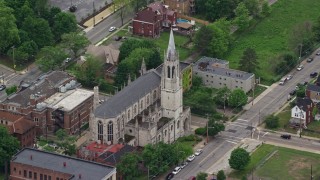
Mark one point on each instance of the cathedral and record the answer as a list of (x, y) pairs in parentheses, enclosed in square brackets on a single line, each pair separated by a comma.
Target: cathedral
[(147, 110)]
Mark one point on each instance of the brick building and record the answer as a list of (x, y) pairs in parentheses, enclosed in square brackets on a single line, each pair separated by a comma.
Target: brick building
[(35, 164), (186, 7), (150, 21), (53, 101)]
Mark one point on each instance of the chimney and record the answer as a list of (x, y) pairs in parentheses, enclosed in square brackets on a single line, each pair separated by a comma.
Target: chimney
[(64, 164), (30, 157)]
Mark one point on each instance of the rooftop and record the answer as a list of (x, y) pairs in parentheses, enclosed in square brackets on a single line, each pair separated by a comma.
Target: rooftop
[(63, 164), (313, 87), (69, 99), (129, 95), (209, 65), (304, 103)]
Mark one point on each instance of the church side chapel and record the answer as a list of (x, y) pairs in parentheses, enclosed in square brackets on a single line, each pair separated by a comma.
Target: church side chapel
[(147, 110)]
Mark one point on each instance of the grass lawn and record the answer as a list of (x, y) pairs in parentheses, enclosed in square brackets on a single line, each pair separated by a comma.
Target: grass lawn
[(290, 164), (315, 126), (284, 164), (270, 36), (42, 143), (284, 118)]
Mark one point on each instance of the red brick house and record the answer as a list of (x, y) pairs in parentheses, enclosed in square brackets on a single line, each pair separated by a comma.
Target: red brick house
[(150, 21), (51, 102)]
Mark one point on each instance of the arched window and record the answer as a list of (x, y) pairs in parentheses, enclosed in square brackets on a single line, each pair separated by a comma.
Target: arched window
[(168, 71), (100, 131), (110, 131), (154, 94), (173, 69), (171, 127), (165, 133), (178, 124)]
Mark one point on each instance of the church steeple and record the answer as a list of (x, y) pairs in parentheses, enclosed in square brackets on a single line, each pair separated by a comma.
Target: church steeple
[(143, 68), (171, 51)]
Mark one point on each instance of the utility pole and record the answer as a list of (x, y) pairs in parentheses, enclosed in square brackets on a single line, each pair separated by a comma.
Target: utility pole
[(259, 116), (14, 64), (207, 131), (253, 92)]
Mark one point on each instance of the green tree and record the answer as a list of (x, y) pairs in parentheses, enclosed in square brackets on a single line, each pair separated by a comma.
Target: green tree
[(70, 149), (248, 61), (74, 42), (50, 58), (201, 131), (23, 12), (200, 100), (272, 121), (237, 98), (9, 145), (9, 34), (202, 176), (38, 30), (61, 134), (316, 30), (242, 16), (90, 72), (253, 7), (214, 9), (221, 175), (20, 57), (221, 97), (315, 111), (131, 44), (64, 23), (219, 43), (214, 127), (128, 166), (265, 9), (239, 159), (122, 7), (301, 38), (301, 92), (202, 38), (11, 90)]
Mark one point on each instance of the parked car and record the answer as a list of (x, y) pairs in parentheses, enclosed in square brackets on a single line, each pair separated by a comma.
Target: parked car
[(176, 170), (111, 29), (286, 136), (184, 164), (289, 77), (310, 59), (2, 87), (318, 53), (67, 60), (283, 81), (293, 92), (300, 67), (190, 158), (169, 176), (313, 74), (304, 83), (73, 8), (198, 152)]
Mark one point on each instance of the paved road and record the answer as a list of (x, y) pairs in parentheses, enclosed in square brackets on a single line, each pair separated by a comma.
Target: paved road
[(240, 129), (101, 30)]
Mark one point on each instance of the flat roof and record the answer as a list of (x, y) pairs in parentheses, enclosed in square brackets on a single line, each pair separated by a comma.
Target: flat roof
[(69, 99), (55, 162)]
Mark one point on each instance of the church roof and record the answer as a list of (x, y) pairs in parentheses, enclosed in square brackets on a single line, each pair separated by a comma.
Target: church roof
[(129, 95), (171, 47)]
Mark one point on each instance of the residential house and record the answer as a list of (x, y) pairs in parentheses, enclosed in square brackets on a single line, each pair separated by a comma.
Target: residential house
[(313, 92), (216, 73), (301, 114), (185, 7), (52, 101), (150, 21), (35, 164)]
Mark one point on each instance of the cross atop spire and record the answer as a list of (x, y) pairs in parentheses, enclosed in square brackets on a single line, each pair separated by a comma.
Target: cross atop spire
[(171, 47)]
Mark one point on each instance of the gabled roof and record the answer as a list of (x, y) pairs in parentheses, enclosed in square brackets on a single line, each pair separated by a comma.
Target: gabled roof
[(146, 15), (108, 54), (304, 103), (313, 87), (129, 95), (64, 164)]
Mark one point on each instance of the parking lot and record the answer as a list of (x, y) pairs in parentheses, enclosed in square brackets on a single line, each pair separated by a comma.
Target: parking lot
[(84, 7)]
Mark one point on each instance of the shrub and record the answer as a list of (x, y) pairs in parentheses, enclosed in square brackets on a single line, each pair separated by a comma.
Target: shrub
[(272, 121), (201, 131)]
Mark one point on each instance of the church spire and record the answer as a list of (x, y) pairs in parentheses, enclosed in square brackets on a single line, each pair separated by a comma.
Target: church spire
[(143, 68), (171, 47)]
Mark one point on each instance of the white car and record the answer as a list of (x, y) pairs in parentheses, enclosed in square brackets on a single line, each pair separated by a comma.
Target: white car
[(176, 170), (111, 29), (289, 77), (191, 158), (198, 152), (184, 164), (67, 60), (318, 53), (300, 67)]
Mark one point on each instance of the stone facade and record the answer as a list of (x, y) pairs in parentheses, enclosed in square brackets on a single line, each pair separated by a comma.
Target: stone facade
[(148, 110)]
